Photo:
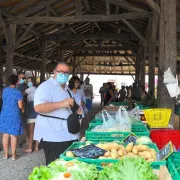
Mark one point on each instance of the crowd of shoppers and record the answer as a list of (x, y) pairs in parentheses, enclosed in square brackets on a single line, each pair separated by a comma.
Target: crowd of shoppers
[(110, 93)]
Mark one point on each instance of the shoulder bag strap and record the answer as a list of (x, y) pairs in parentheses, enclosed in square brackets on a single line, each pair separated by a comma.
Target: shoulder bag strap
[(54, 117)]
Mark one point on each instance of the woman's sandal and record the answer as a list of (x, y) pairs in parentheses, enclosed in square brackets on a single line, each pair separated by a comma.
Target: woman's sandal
[(27, 150), (5, 158)]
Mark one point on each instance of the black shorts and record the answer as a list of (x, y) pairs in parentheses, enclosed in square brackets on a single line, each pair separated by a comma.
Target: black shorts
[(52, 150)]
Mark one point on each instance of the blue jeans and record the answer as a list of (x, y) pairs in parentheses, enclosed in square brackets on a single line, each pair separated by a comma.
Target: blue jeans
[(88, 104)]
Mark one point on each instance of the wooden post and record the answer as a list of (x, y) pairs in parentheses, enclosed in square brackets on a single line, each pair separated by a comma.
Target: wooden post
[(152, 53), (74, 65), (43, 62), (137, 68), (143, 60), (10, 50), (167, 50), (82, 77)]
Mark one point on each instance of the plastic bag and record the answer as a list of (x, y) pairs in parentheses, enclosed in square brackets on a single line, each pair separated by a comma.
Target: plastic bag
[(173, 89), (123, 120), (109, 124), (168, 77), (134, 114)]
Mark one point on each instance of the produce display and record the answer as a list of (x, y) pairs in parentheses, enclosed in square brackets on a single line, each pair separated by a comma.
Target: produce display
[(114, 150), (65, 170), (118, 147), (128, 169)]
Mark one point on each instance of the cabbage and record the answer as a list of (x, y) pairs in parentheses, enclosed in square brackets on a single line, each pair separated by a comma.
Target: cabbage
[(128, 169)]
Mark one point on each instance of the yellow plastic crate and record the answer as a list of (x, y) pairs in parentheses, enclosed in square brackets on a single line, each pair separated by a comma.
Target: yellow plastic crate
[(158, 117)]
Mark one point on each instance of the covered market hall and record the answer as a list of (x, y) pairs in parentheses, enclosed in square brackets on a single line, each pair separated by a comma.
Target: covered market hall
[(134, 38)]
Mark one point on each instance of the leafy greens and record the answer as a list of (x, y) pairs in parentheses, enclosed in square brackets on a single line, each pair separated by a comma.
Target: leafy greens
[(128, 169)]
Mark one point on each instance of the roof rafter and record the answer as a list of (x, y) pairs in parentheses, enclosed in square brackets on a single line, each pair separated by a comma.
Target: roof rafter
[(82, 18)]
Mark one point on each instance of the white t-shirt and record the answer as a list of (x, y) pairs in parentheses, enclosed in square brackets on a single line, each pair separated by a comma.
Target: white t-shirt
[(30, 93), (50, 129), (88, 90)]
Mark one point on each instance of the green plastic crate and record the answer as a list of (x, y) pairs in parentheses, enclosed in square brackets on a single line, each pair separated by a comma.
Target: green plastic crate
[(98, 162), (174, 171), (139, 130)]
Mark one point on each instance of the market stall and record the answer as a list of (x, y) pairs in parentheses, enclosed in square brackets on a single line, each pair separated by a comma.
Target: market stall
[(118, 145)]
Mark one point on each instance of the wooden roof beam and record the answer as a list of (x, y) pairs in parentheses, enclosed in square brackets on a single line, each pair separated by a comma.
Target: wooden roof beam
[(153, 6), (37, 7), (126, 5), (135, 32), (93, 48), (83, 18), (102, 54), (85, 36), (21, 39)]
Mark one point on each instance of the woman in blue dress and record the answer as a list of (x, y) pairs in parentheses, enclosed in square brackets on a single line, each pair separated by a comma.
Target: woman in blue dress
[(10, 117)]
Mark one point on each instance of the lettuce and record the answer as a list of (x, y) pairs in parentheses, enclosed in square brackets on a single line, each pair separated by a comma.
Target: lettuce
[(80, 171), (128, 169), (41, 173)]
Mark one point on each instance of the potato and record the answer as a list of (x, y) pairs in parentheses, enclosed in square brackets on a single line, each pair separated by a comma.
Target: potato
[(139, 147), (122, 147), (147, 154), (114, 151), (105, 147), (129, 147), (151, 160), (130, 154), (121, 153), (125, 152), (69, 154), (141, 154), (153, 154), (114, 156), (113, 146), (107, 154), (135, 150), (144, 148)]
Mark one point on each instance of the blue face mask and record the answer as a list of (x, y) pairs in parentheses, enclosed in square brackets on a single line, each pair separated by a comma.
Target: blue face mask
[(30, 84), (62, 78), (22, 81)]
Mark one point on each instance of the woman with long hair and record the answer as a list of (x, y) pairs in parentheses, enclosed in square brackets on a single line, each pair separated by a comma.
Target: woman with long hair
[(77, 94), (10, 117)]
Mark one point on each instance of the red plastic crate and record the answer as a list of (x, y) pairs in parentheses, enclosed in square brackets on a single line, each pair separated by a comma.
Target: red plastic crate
[(162, 137)]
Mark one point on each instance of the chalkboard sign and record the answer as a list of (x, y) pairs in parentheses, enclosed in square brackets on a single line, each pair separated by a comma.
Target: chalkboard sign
[(130, 138), (90, 151), (165, 152)]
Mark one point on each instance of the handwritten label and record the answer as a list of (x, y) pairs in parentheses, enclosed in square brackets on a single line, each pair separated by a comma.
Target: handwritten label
[(130, 138), (165, 152), (90, 151)]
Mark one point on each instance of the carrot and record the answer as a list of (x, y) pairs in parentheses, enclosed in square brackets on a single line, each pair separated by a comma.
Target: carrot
[(67, 174)]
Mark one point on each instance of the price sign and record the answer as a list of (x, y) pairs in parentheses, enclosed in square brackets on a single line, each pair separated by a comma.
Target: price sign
[(165, 152), (90, 151), (130, 138)]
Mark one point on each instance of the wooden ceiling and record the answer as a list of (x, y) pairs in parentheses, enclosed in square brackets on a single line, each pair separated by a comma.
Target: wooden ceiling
[(104, 40)]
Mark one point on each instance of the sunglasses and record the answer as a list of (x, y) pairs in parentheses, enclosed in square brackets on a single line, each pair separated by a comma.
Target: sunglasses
[(23, 78), (61, 73)]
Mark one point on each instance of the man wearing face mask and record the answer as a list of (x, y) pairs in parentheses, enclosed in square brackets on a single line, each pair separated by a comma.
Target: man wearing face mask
[(53, 100), (22, 87)]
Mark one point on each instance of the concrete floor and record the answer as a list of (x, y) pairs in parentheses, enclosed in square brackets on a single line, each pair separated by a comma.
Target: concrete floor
[(22, 167)]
